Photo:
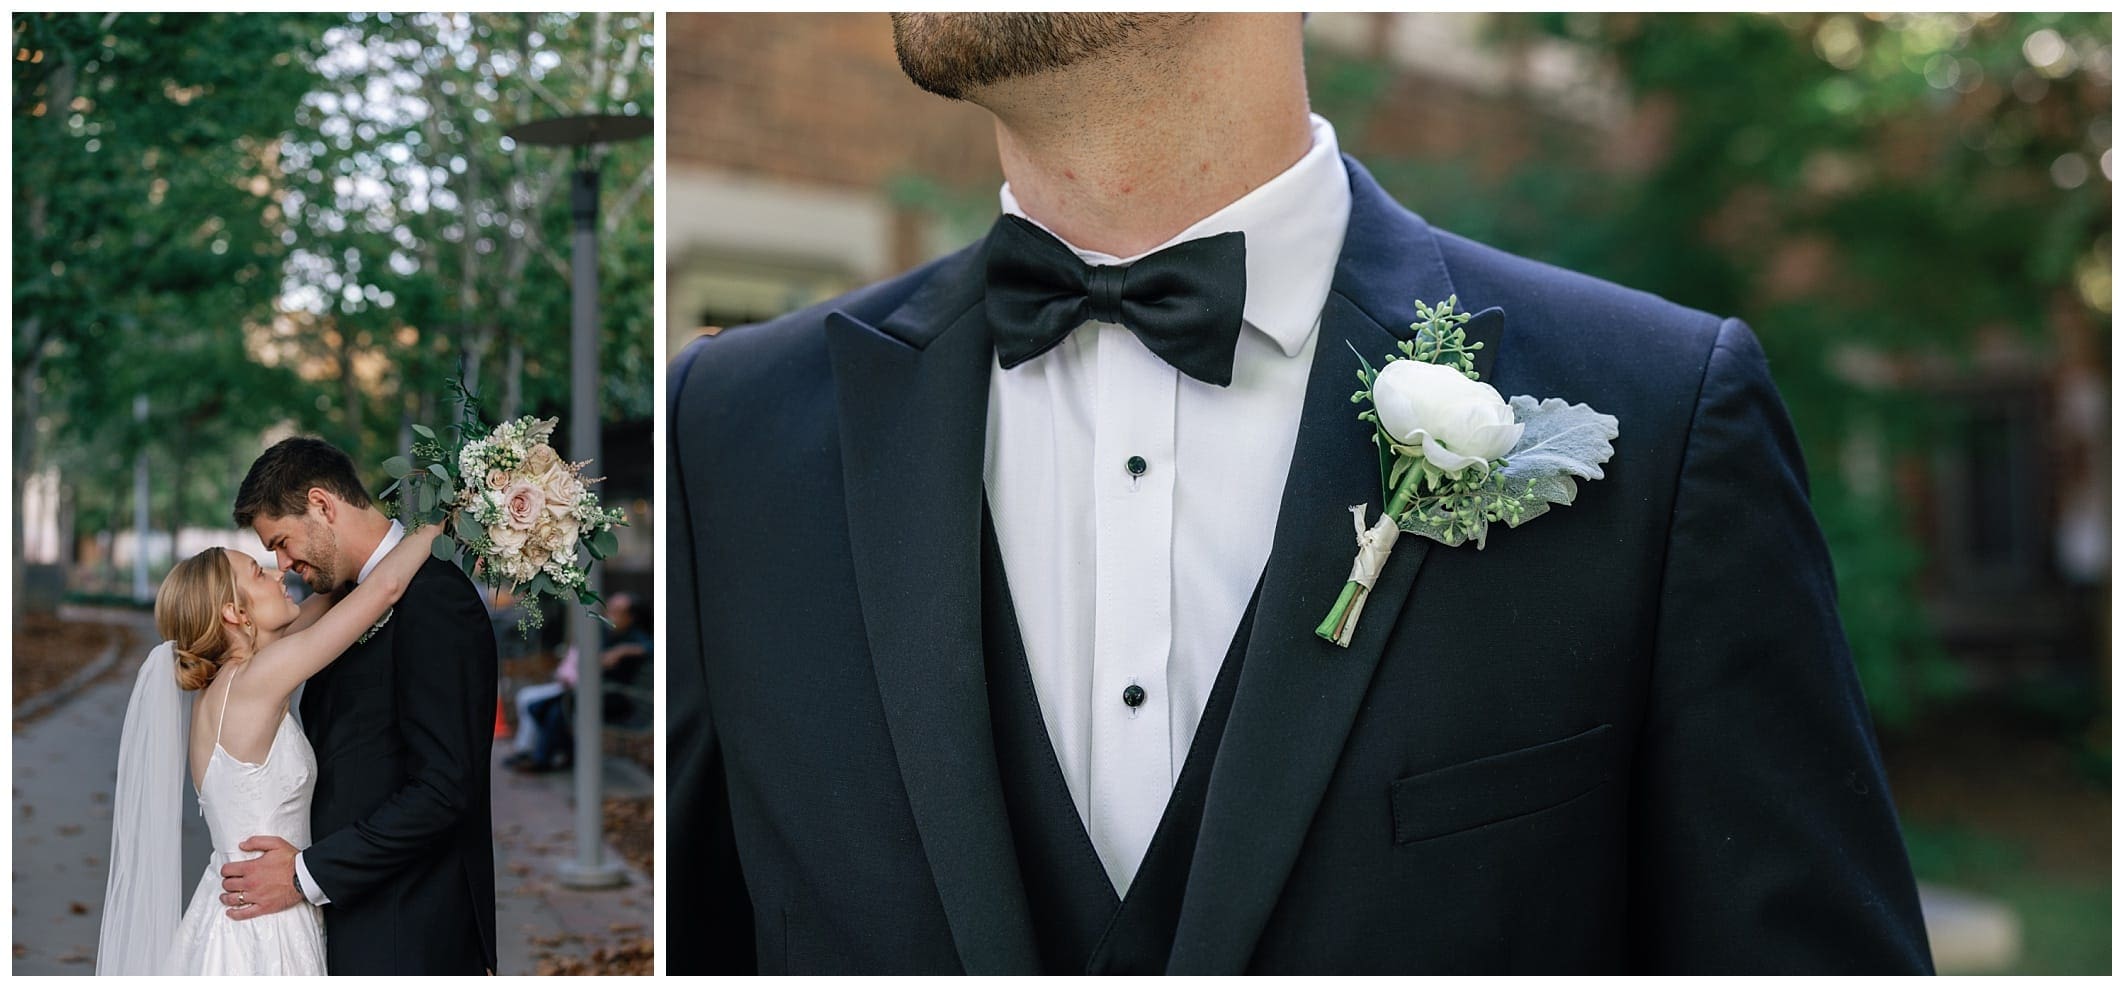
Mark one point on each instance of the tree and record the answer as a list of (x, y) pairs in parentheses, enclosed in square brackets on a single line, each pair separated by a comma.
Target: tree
[(145, 154), (305, 221), (428, 242), (1889, 189)]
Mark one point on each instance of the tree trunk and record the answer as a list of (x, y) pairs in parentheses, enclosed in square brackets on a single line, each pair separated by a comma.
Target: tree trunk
[(513, 386), (349, 391), (179, 460)]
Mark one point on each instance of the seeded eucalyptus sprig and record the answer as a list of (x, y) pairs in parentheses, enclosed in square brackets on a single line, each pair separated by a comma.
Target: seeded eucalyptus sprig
[(1442, 337)]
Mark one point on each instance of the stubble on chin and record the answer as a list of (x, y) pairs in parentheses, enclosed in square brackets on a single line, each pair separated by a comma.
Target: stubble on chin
[(955, 55)]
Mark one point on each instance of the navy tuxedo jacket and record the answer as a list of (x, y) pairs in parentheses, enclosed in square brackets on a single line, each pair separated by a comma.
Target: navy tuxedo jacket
[(402, 814), (1625, 737)]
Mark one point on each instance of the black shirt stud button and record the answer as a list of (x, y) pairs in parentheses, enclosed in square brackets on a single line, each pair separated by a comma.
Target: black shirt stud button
[(1136, 467), (1133, 695)]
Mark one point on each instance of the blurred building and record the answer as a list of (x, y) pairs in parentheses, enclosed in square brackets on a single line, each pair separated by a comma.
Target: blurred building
[(803, 164), (795, 148)]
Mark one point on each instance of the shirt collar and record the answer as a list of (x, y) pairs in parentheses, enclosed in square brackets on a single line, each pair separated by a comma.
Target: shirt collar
[(391, 538), (1294, 225)]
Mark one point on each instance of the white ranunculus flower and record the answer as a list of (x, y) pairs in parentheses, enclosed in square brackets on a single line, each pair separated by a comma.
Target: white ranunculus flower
[(1457, 422)]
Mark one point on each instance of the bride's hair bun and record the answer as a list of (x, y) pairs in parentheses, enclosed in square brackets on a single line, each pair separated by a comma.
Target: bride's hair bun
[(194, 671), (188, 613)]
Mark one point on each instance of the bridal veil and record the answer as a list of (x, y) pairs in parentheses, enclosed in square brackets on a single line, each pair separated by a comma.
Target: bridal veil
[(144, 898)]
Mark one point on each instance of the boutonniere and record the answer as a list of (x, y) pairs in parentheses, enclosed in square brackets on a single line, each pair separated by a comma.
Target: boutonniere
[(1455, 457), (374, 628)]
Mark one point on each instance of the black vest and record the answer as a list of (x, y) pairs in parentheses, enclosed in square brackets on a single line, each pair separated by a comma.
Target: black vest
[(1082, 927)]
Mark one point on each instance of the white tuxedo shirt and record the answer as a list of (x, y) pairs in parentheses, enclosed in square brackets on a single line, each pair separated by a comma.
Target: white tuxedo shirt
[(1123, 579)]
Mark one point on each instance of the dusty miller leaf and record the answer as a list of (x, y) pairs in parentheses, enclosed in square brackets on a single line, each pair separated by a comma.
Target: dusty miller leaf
[(1561, 444), (1561, 441)]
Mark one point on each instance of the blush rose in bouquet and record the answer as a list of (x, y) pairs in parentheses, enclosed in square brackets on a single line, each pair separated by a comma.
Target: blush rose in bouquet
[(517, 516)]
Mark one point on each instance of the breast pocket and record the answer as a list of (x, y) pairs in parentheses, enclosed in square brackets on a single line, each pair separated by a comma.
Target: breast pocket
[(1502, 787)]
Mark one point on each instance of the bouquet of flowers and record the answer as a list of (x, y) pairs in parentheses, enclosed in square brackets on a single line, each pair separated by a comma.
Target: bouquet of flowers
[(517, 516)]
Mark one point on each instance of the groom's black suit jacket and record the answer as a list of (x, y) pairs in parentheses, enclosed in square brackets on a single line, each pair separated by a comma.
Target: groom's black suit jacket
[(1626, 737), (401, 819)]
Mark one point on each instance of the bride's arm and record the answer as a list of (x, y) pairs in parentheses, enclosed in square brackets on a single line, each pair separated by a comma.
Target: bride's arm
[(284, 664)]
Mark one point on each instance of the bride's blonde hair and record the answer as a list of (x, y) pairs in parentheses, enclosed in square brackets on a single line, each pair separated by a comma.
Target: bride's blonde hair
[(188, 613)]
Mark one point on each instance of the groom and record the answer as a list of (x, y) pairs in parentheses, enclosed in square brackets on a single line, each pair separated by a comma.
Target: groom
[(402, 858), (995, 586)]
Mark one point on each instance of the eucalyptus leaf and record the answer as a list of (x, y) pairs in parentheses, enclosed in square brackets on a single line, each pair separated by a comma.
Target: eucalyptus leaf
[(469, 528), (423, 431), (605, 543), (441, 472), (398, 466), (444, 547)]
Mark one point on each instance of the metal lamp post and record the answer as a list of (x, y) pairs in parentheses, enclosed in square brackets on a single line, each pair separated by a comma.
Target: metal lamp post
[(588, 869)]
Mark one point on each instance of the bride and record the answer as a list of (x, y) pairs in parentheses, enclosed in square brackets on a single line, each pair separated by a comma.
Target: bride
[(241, 644)]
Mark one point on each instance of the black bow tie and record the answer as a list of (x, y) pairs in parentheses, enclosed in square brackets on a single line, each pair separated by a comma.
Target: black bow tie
[(1185, 302)]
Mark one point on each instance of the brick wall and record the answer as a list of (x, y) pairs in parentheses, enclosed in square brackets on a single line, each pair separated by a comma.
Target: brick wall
[(814, 98)]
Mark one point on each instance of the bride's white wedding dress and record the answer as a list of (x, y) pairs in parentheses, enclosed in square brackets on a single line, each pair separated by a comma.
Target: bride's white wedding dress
[(241, 800)]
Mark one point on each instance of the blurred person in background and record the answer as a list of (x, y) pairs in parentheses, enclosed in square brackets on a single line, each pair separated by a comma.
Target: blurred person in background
[(545, 738)]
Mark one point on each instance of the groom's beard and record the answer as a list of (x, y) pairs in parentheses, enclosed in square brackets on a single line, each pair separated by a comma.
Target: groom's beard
[(949, 54), (320, 567)]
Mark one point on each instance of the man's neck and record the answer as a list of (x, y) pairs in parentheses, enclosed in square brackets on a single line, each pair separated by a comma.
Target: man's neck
[(1121, 154), (364, 532)]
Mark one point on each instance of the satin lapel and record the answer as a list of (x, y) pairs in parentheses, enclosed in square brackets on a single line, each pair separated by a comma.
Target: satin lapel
[(913, 395), (1299, 694)]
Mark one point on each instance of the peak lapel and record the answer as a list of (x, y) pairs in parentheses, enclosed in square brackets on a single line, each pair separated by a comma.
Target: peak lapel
[(913, 395), (1298, 694)]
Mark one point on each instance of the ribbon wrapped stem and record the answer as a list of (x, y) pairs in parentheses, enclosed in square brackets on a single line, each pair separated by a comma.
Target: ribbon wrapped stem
[(1374, 544)]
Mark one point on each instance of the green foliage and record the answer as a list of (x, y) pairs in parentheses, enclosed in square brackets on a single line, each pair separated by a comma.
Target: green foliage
[(1903, 183), (305, 221), (2064, 917), (146, 241), (1442, 337)]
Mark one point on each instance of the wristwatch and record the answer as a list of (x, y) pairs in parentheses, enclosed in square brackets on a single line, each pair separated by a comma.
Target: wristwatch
[(299, 890)]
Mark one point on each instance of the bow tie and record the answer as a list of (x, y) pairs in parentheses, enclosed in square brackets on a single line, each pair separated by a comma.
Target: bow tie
[(1185, 302)]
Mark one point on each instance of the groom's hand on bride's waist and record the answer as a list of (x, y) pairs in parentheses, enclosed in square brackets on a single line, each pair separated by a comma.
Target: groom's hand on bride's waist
[(262, 885)]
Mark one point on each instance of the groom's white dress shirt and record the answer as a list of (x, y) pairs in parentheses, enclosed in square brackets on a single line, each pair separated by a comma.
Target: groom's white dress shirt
[(1123, 579), (391, 539)]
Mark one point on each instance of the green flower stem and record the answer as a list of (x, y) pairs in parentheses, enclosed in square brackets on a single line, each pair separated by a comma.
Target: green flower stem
[(1331, 628)]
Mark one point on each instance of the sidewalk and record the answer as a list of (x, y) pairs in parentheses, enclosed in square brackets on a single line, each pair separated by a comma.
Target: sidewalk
[(537, 918), (65, 769)]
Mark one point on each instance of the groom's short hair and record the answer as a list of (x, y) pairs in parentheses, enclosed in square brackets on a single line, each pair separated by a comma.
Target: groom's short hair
[(280, 479)]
